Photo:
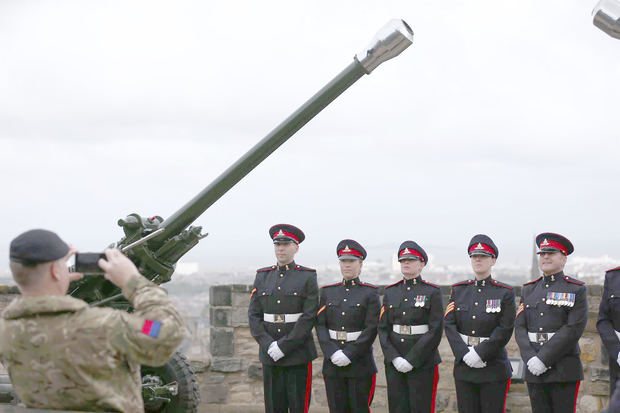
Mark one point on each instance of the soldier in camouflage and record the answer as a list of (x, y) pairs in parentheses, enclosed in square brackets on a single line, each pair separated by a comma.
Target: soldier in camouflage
[(63, 354)]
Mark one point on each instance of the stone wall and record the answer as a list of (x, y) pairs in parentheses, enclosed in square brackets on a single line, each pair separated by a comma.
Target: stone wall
[(233, 380)]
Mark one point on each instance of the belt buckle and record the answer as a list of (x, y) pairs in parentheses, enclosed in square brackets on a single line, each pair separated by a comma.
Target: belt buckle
[(341, 335), (405, 330), (278, 318), (473, 341), (542, 338)]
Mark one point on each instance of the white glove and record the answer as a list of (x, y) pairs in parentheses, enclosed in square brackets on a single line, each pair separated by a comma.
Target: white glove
[(340, 359), (618, 359), (473, 360), (274, 351), (536, 366), (402, 365)]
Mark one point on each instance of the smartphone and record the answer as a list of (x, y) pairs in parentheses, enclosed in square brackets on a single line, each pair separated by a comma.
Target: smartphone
[(86, 262)]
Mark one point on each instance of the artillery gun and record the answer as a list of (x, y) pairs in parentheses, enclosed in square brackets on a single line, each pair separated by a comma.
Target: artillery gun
[(155, 244)]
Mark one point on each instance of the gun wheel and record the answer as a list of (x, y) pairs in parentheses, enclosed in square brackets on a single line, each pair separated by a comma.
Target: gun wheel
[(177, 371)]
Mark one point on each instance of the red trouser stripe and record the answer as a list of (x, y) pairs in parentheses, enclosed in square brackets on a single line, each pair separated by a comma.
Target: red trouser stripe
[(372, 390), (506, 394), (576, 391), (308, 387), (435, 380)]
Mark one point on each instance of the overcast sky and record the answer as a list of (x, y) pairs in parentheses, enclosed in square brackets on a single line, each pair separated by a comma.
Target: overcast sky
[(501, 118)]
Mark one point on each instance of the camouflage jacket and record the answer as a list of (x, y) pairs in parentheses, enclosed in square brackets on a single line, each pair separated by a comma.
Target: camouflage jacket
[(62, 354)]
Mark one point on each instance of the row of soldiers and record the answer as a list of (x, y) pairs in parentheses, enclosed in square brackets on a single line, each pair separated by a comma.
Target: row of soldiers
[(479, 319)]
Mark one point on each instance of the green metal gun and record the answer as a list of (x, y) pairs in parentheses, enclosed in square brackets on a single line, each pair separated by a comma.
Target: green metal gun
[(155, 244)]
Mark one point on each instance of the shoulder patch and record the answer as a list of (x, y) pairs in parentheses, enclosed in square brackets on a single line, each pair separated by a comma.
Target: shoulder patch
[(332, 285), (367, 285), (614, 269), (431, 284), (501, 284), (466, 282), (273, 267), (392, 285), (574, 280), (532, 282), (302, 268)]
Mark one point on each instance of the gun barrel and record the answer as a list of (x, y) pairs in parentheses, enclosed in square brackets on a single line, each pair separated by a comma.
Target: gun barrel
[(391, 40)]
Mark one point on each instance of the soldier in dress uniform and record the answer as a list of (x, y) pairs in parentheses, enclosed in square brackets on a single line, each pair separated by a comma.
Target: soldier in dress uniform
[(608, 323), (551, 317), (346, 328), (479, 320), (282, 313), (410, 327)]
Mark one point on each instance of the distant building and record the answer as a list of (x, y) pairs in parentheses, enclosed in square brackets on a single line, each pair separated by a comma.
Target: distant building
[(534, 271)]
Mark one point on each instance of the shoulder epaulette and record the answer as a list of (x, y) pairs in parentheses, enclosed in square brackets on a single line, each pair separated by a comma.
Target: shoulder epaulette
[(614, 269), (302, 268), (466, 282), (392, 285), (273, 267), (431, 284), (574, 280), (367, 285), (532, 282), (501, 284), (332, 285)]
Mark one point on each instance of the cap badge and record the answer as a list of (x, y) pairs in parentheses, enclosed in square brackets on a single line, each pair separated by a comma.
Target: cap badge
[(406, 251), (346, 249), (280, 234), (544, 243), (479, 247)]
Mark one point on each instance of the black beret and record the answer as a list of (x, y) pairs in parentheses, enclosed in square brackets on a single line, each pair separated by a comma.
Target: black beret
[(286, 232), (550, 242), (348, 249), (37, 246), (410, 250), (482, 245)]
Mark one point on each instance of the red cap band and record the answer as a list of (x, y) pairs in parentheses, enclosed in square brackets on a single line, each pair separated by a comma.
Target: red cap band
[(553, 244), (407, 252), (480, 247), (350, 251), (282, 233)]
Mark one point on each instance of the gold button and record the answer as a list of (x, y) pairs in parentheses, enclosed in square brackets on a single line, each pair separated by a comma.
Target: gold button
[(405, 299), (347, 289), (479, 290), (527, 306), (343, 327), (541, 314), (458, 308), (390, 305), (473, 331), (263, 293), (540, 329), (343, 313), (612, 296), (402, 340), (476, 303), (473, 316), (404, 313), (279, 288), (408, 288), (358, 305), (281, 275), (278, 330), (546, 285), (278, 301), (342, 342), (295, 293), (345, 300), (543, 299)]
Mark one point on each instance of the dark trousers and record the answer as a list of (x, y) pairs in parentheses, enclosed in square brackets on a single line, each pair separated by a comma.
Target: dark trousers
[(287, 388), (482, 397), (560, 397), (411, 393), (350, 394)]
